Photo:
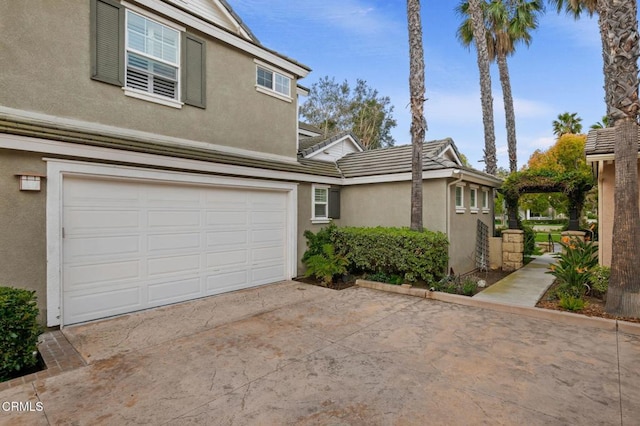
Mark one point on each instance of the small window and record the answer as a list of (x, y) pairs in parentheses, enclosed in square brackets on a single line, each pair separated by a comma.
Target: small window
[(459, 199), (485, 201), (152, 57), (320, 204), (473, 200), (273, 81)]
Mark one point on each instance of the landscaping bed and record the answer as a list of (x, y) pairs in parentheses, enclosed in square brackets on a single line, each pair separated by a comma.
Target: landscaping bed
[(594, 306)]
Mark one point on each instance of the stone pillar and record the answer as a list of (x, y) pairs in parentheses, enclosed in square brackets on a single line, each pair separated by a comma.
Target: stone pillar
[(512, 249), (495, 253)]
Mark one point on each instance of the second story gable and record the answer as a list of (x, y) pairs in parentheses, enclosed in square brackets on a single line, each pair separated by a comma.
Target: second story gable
[(186, 70)]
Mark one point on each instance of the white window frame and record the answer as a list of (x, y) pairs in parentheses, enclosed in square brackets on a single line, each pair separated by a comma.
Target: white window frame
[(319, 219), (272, 91), (473, 199), (485, 201), (141, 94), (460, 208)]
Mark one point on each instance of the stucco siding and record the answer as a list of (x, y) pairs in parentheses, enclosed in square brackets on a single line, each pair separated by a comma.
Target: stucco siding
[(606, 185), (47, 66), (23, 257), (463, 228)]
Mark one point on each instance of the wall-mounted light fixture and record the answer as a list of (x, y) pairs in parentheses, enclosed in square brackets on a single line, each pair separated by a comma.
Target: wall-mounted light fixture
[(30, 181)]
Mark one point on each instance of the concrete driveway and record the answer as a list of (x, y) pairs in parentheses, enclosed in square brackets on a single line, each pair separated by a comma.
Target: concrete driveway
[(291, 353)]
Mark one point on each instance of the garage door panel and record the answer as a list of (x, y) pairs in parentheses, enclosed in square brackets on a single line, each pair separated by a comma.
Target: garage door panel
[(85, 307), (269, 236), (226, 238), (172, 265), (174, 291), (267, 254), (99, 193), (268, 218), (81, 276), (227, 218), (88, 247), (227, 258), (224, 281), (173, 219), (266, 274), (100, 221), (172, 242)]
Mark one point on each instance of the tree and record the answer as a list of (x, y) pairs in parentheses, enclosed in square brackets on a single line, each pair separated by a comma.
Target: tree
[(567, 123), (335, 107), (476, 15), (601, 124), (623, 50), (418, 121), (507, 23)]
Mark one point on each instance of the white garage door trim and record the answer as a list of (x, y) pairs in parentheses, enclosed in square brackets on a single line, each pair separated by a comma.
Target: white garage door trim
[(57, 169)]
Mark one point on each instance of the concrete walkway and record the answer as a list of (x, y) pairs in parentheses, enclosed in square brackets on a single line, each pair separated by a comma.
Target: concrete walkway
[(524, 287), (295, 354)]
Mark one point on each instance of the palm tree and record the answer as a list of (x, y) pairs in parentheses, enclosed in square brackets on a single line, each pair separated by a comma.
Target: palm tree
[(418, 122), (476, 14), (508, 23), (601, 124), (623, 50), (567, 123)]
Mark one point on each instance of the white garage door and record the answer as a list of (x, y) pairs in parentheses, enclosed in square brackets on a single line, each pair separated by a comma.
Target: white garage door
[(130, 245)]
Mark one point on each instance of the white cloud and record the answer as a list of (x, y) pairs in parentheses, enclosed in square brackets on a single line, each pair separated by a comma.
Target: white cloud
[(582, 32)]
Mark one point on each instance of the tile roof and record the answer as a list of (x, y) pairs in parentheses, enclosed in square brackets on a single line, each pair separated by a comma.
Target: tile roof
[(602, 141), (309, 127), (396, 159), (308, 146)]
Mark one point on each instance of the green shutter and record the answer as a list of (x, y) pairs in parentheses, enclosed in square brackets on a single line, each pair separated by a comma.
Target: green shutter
[(193, 71), (334, 203), (107, 42)]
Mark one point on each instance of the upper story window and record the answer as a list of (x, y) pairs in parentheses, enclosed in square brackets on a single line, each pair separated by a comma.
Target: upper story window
[(460, 199), (272, 82), (152, 57), (485, 201), (473, 199)]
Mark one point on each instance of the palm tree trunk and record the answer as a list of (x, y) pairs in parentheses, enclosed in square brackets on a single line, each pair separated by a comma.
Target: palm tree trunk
[(510, 116), (480, 39), (622, 51), (602, 13), (418, 122)]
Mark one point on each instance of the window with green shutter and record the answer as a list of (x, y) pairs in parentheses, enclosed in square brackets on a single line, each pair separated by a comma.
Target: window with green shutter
[(151, 58)]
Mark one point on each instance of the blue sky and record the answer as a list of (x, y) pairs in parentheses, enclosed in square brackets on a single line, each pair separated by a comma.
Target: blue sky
[(349, 39)]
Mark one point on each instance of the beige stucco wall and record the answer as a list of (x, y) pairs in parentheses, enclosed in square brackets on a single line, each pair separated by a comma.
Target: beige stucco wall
[(23, 259), (389, 204), (46, 68), (463, 228), (606, 190)]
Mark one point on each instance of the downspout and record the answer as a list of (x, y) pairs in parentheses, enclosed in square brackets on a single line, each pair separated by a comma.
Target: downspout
[(448, 202)]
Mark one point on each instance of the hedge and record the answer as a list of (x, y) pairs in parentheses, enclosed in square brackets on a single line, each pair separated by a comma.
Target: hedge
[(19, 330), (400, 251)]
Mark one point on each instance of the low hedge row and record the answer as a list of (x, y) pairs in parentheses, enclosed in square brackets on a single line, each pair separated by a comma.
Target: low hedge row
[(19, 330), (394, 251)]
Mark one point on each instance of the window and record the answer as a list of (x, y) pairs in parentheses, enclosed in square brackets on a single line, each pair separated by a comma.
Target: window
[(273, 83), (459, 199), (485, 201), (320, 204), (152, 52), (473, 200), (150, 57)]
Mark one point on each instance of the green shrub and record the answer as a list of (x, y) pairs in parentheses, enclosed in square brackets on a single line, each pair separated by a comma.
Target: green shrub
[(469, 287), (19, 330), (573, 304), (394, 251), (385, 278), (326, 265), (575, 264), (599, 281), (317, 241), (529, 240)]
